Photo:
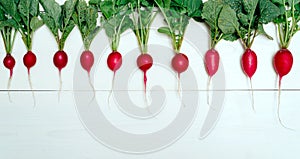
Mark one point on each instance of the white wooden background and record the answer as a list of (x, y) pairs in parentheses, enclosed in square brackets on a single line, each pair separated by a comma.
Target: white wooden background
[(53, 128)]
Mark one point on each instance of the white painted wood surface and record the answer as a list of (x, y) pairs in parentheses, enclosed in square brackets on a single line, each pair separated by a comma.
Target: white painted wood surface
[(53, 129)]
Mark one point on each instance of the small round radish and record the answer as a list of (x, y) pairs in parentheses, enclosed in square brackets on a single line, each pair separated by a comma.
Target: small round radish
[(114, 61), (249, 62), (60, 59), (29, 60), (283, 62), (9, 62), (180, 63), (87, 60), (249, 66), (144, 62), (212, 60)]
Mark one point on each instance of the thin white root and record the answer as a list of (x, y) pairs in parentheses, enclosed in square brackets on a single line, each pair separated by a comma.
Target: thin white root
[(94, 91), (111, 90), (207, 91), (31, 88), (8, 89), (252, 95), (278, 108), (60, 86)]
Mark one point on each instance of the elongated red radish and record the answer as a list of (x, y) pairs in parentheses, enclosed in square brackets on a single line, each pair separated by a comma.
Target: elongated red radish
[(180, 63), (114, 62), (249, 66), (211, 60), (144, 62), (9, 62), (60, 60), (87, 62), (29, 60), (283, 62)]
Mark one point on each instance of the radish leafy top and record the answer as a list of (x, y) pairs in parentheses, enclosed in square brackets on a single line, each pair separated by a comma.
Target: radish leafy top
[(177, 14), (211, 12), (85, 18), (115, 19), (8, 26), (287, 20), (25, 13), (58, 19), (142, 22), (244, 19)]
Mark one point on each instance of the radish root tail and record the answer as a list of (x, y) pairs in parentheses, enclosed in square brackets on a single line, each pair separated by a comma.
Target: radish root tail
[(8, 89), (179, 86), (31, 88), (252, 95), (179, 89), (207, 91), (92, 86), (278, 106), (111, 90), (60, 86)]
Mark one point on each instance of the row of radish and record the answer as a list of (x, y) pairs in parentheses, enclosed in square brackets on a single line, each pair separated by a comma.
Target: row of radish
[(227, 19)]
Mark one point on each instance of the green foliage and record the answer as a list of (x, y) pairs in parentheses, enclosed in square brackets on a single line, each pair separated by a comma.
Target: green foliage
[(59, 19), (245, 18), (177, 14), (85, 18), (115, 19)]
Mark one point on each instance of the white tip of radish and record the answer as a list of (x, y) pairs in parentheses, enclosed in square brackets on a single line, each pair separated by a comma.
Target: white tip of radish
[(8, 89), (31, 88)]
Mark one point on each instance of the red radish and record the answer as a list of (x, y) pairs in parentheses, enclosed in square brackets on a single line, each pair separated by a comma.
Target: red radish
[(9, 62), (249, 66), (211, 60), (114, 62), (87, 60), (29, 60), (283, 62), (144, 62), (249, 62), (60, 60), (180, 63)]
